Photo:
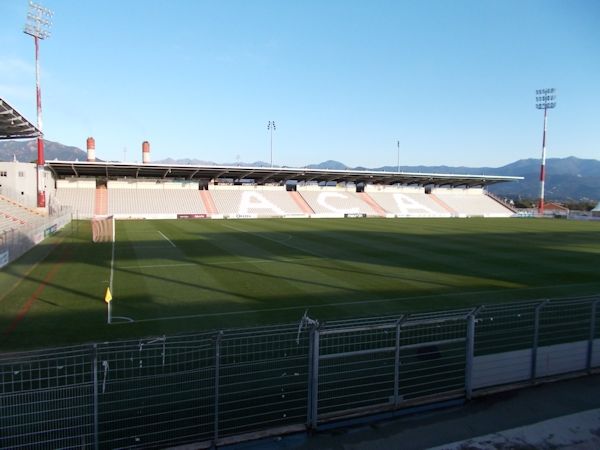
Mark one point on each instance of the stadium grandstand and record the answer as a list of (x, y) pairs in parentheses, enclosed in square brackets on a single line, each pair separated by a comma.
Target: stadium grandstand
[(164, 191), (13, 212), (22, 224), (92, 188), (14, 125)]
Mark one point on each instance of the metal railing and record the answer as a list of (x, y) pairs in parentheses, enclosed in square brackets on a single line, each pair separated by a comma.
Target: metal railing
[(220, 387), (503, 201), (16, 241)]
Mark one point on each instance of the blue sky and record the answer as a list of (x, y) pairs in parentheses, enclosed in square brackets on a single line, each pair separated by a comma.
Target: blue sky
[(453, 81)]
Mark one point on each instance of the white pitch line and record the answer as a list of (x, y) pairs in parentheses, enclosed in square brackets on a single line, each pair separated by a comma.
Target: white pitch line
[(223, 263), (112, 267), (158, 266), (169, 240), (261, 261), (284, 243), (127, 319)]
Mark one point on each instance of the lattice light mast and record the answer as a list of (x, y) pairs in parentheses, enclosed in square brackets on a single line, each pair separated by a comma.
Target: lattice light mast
[(271, 127), (38, 26), (544, 99)]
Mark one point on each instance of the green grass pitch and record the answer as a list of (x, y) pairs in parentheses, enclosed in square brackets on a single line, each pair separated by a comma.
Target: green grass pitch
[(172, 276)]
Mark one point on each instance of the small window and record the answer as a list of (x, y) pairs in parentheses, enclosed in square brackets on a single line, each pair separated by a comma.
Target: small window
[(3, 174), (21, 173)]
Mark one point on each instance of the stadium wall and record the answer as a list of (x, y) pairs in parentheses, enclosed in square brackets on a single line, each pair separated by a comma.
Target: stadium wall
[(18, 181)]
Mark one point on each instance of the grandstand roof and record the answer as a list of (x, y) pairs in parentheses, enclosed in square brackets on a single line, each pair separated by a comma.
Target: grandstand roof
[(13, 125), (265, 175)]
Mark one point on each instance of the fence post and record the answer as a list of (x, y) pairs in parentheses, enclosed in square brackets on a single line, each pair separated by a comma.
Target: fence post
[(536, 340), (95, 377), (313, 387), (217, 376), (309, 380), (397, 363), (590, 352), (470, 352)]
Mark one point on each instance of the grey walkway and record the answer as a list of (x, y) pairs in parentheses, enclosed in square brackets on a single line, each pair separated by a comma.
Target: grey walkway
[(579, 431), (559, 402)]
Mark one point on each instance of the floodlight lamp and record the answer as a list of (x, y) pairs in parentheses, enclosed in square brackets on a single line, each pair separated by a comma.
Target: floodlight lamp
[(38, 19), (40, 8), (545, 98), (38, 23)]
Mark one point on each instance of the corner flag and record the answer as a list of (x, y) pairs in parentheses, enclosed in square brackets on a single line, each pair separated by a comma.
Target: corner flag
[(107, 296)]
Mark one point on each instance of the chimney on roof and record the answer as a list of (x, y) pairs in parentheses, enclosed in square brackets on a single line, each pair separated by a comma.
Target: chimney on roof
[(91, 149), (145, 152)]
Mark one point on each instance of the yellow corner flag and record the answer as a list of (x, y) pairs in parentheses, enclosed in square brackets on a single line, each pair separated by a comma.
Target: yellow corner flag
[(107, 296)]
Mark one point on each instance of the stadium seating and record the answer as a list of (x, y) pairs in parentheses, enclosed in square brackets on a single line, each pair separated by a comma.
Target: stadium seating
[(254, 201), (78, 194), (167, 199), (153, 199), (8, 223), (333, 202), (101, 201), (472, 202), (407, 202), (14, 215), (301, 202)]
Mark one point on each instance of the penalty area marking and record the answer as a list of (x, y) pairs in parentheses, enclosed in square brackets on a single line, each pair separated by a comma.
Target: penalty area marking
[(168, 240), (358, 302)]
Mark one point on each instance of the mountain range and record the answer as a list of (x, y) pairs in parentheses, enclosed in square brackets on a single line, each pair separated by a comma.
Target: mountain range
[(567, 179)]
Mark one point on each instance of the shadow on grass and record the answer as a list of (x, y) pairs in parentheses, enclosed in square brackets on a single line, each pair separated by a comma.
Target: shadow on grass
[(224, 275)]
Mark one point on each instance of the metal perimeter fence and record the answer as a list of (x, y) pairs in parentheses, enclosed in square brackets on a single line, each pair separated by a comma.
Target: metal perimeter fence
[(220, 387)]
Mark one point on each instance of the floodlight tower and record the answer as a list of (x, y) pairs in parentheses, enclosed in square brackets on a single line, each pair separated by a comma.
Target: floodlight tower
[(38, 26), (271, 127), (398, 167), (544, 99)]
